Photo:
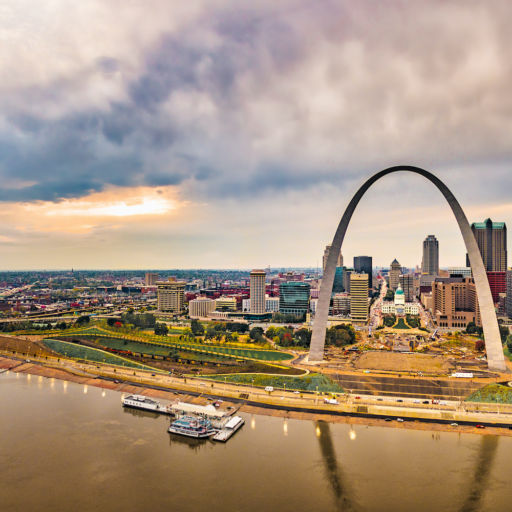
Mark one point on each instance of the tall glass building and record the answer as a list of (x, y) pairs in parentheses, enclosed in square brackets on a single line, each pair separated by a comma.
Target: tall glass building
[(337, 286), (294, 298)]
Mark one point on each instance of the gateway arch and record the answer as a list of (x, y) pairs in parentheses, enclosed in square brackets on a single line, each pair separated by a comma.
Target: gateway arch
[(494, 348)]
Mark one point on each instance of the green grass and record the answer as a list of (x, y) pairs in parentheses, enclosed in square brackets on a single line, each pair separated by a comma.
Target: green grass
[(492, 393), (400, 324), (310, 382), (75, 351), (168, 345)]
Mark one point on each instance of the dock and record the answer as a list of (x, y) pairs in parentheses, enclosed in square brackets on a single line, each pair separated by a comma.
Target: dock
[(231, 426)]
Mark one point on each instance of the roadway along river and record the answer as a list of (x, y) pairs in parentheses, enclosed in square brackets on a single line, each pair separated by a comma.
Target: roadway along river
[(65, 447)]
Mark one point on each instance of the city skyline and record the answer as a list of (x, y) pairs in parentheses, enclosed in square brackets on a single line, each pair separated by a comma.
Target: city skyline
[(134, 142)]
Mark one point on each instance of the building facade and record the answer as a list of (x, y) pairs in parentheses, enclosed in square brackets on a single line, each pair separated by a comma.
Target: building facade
[(491, 238), (406, 282), (337, 286), (340, 304), (170, 296), (257, 291), (430, 261), (151, 278), (294, 298), (455, 303), (508, 299), (364, 265), (200, 307), (225, 304), (394, 274), (359, 298)]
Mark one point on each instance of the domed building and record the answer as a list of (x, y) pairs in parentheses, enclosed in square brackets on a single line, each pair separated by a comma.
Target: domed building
[(399, 301)]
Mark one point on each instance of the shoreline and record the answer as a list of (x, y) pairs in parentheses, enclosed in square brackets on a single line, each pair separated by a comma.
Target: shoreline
[(284, 411)]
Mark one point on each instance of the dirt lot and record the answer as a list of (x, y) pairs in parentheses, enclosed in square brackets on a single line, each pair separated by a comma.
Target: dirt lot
[(23, 346), (403, 362)]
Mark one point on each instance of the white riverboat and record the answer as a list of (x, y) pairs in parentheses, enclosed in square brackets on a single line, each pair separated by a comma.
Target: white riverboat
[(192, 426), (230, 427), (143, 402)]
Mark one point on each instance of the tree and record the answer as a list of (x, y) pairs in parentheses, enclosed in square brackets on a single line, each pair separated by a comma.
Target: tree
[(82, 320), (340, 335), (196, 327), (161, 329), (509, 342), (256, 334), (504, 332), (480, 345), (303, 337), (111, 321)]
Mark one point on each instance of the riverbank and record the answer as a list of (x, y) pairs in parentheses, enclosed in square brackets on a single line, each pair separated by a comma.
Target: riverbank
[(278, 407)]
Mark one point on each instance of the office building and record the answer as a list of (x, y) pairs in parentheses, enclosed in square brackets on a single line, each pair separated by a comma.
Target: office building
[(200, 307), (364, 265), (509, 293), (430, 261), (272, 304), (359, 298), (337, 286), (151, 278), (294, 298), (170, 296), (394, 274), (497, 283), (459, 272), (346, 278), (339, 262), (257, 291), (491, 238), (225, 304), (406, 282), (340, 304), (454, 302)]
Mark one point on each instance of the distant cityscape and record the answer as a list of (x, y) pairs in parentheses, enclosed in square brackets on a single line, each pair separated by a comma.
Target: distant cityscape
[(443, 298)]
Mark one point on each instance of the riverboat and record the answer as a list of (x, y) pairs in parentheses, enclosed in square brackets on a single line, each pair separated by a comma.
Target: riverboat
[(142, 402), (192, 426)]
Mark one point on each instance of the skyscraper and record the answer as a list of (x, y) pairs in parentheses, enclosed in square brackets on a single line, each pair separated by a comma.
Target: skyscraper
[(337, 286), (257, 291), (394, 274), (359, 298), (406, 282), (364, 265), (491, 238), (430, 262), (170, 296), (294, 298), (339, 263)]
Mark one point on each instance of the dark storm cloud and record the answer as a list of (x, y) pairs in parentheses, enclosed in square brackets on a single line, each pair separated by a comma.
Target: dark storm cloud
[(254, 99)]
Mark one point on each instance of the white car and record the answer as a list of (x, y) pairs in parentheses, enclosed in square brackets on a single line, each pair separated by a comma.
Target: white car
[(269, 389), (331, 401)]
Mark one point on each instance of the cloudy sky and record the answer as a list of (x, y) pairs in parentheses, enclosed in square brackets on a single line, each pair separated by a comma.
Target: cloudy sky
[(218, 133)]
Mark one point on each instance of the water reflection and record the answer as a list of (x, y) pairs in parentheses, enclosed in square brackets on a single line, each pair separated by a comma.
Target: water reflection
[(480, 480), (333, 471), (193, 444), (141, 414)]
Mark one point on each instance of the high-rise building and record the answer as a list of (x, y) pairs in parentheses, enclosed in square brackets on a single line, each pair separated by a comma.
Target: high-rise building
[(346, 278), (455, 302), (200, 307), (257, 291), (406, 282), (225, 304), (359, 298), (364, 265), (170, 296), (491, 238), (509, 293), (150, 278), (340, 304), (294, 298), (394, 274), (337, 286), (430, 262), (327, 250)]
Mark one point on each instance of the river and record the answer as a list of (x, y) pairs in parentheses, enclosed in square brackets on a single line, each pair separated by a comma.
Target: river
[(67, 447)]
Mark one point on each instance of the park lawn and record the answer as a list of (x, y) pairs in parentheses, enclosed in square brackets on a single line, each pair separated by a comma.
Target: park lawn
[(400, 324), (492, 393), (310, 382), (75, 351)]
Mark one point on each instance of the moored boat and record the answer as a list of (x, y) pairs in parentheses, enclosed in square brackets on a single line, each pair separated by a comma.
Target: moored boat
[(192, 426), (142, 402)]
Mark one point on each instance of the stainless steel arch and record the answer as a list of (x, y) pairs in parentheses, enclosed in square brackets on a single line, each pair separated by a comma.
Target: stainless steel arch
[(495, 357)]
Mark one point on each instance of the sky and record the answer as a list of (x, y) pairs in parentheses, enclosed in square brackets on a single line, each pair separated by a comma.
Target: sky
[(228, 134)]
